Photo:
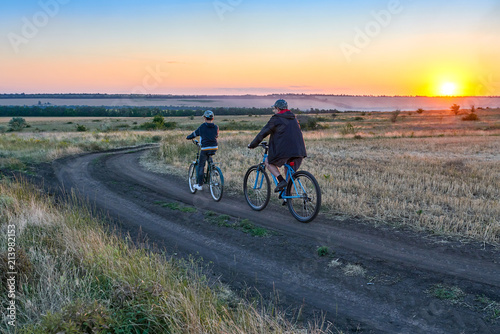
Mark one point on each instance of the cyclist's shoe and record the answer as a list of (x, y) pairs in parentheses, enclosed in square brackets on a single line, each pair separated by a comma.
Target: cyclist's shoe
[(198, 187), (280, 186)]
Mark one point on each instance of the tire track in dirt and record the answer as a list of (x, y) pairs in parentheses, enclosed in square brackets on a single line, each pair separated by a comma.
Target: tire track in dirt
[(116, 183)]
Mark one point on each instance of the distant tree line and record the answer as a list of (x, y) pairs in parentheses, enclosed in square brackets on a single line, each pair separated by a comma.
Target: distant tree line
[(94, 111)]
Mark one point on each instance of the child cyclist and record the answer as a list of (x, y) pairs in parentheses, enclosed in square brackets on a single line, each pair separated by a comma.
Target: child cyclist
[(208, 133), (286, 143)]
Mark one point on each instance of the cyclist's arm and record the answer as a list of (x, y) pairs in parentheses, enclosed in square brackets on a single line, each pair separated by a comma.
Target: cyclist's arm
[(266, 131), (194, 134)]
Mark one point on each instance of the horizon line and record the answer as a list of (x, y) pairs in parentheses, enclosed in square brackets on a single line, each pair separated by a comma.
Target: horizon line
[(8, 95)]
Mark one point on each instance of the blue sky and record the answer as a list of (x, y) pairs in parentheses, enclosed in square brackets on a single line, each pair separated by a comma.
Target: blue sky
[(251, 44)]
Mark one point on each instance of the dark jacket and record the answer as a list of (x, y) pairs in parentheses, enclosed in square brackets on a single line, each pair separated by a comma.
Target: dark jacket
[(286, 139), (208, 132)]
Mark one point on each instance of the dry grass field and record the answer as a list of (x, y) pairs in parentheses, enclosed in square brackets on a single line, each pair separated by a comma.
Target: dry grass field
[(69, 124), (77, 277), (431, 172)]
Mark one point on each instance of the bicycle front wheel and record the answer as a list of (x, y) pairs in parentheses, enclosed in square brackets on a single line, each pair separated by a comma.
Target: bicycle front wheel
[(257, 188), (216, 183), (306, 196), (192, 177)]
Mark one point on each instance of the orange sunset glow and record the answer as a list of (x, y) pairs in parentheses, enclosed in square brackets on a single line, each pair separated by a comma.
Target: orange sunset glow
[(367, 47)]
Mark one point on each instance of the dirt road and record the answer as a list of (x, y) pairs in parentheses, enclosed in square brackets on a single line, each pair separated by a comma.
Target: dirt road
[(405, 272)]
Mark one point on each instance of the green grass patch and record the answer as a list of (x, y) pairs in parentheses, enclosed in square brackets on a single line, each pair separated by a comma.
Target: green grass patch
[(491, 307), (245, 225), (452, 294), (176, 206), (188, 209), (323, 251)]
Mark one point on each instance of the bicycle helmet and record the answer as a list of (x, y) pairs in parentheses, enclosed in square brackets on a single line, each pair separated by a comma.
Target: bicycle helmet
[(280, 104), (209, 114)]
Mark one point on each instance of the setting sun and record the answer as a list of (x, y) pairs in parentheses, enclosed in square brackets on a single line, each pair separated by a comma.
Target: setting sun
[(449, 89)]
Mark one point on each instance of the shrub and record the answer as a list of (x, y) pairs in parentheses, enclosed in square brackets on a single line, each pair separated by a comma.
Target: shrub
[(147, 126), (420, 110), (308, 123), (472, 108), (470, 117), (394, 115), (348, 129), (169, 125), (17, 124), (156, 139), (81, 128), (159, 121), (155, 126), (455, 109)]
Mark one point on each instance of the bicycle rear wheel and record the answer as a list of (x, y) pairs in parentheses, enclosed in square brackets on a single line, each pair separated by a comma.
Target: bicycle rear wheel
[(216, 183), (192, 177), (306, 206), (257, 188)]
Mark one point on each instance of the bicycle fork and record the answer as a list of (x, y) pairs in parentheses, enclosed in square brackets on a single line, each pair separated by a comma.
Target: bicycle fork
[(260, 169)]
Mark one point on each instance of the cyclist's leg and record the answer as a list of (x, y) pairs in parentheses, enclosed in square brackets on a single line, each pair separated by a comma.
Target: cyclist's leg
[(273, 169), (201, 166), (295, 162)]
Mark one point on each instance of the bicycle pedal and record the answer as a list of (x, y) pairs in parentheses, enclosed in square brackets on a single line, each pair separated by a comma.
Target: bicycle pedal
[(284, 202)]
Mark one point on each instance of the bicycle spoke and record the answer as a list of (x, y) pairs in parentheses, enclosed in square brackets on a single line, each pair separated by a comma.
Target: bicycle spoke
[(216, 184), (192, 177), (307, 197), (256, 186)]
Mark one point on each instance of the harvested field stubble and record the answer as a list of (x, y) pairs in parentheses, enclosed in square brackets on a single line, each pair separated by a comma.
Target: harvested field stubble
[(445, 185)]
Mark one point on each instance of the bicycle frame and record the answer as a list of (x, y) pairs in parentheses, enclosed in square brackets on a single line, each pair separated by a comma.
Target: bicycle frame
[(210, 163), (212, 177), (289, 175)]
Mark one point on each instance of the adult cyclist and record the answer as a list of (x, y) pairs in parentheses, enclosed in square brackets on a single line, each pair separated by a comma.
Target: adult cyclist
[(286, 143)]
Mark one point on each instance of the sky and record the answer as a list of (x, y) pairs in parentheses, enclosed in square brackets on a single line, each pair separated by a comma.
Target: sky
[(367, 47)]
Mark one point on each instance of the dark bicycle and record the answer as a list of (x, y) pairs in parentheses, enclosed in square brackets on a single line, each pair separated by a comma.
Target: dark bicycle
[(302, 193), (213, 176)]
